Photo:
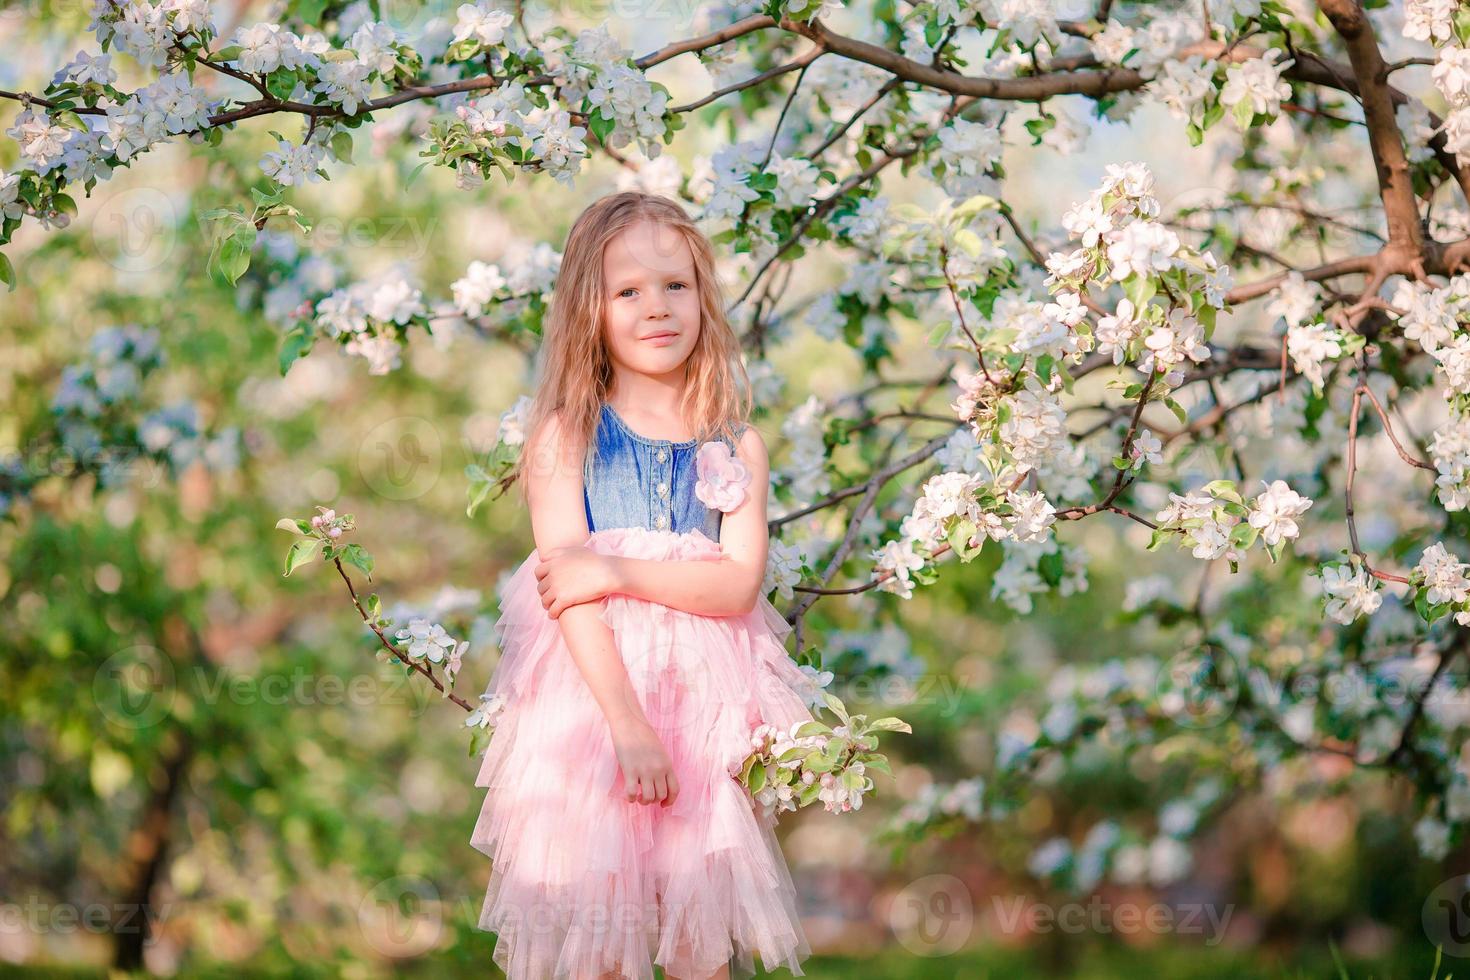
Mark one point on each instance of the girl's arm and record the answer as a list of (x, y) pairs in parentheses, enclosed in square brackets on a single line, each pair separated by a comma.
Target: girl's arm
[(729, 587), (554, 487)]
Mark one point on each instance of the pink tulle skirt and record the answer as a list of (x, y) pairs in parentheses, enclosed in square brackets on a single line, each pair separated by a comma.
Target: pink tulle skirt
[(584, 882)]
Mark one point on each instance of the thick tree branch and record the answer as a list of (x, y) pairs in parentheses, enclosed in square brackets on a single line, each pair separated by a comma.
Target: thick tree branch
[(1399, 206)]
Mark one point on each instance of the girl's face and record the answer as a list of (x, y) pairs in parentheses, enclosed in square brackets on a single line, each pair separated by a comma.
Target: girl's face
[(651, 312)]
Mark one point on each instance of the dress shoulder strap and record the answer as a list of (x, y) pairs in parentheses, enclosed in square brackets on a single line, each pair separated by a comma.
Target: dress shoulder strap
[(740, 428)]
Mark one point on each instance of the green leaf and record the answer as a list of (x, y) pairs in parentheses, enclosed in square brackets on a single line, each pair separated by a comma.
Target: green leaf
[(301, 553), (342, 146), (1051, 567), (1243, 535), (356, 556), (281, 83), (1224, 489), (959, 537), (414, 174), (601, 126), (7, 272), (233, 256), (1140, 289), (1206, 317), (891, 725), (1244, 113), (309, 11), (757, 779), (296, 344), (972, 206), (836, 705), (969, 241)]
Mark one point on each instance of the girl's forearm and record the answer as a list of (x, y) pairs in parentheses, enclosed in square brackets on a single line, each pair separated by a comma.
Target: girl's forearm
[(593, 650), (709, 588)]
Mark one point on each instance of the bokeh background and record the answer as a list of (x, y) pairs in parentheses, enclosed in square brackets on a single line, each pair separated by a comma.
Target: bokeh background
[(185, 731)]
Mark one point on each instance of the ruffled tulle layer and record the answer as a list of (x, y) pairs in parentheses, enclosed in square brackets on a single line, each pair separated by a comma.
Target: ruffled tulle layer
[(584, 882)]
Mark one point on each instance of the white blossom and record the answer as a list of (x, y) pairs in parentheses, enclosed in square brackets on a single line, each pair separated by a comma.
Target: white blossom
[(293, 166), (1142, 248), (1274, 512), (1257, 83), (1351, 592), (477, 288), (1443, 574), (482, 22)]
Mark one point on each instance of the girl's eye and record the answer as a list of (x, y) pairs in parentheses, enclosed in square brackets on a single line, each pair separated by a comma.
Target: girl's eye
[(630, 289)]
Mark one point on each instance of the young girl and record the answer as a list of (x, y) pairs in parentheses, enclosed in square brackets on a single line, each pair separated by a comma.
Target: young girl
[(638, 650)]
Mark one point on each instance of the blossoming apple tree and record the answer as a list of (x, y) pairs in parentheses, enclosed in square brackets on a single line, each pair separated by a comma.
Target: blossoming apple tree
[(1232, 374)]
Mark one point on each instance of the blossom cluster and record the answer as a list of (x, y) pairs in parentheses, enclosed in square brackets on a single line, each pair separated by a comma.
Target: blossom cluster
[(507, 127), (511, 126), (1216, 522), (1436, 22), (1433, 315), (806, 468), (91, 406), (1031, 568), (422, 639), (1122, 241), (532, 274), (962, 510), (599, 73), (370, 317), (807, 763)]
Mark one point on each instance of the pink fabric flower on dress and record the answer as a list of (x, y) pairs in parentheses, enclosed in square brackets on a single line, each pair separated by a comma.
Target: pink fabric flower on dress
[(722, 477)]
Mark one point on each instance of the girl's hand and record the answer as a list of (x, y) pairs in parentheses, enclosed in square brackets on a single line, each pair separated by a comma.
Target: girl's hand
[(648, 774), (574, 574)]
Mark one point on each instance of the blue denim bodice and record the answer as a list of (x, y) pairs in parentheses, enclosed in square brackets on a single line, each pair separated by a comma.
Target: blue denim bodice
[(634, 481)]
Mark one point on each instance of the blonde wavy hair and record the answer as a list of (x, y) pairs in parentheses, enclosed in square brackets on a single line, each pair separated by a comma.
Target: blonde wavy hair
[(574, 366)]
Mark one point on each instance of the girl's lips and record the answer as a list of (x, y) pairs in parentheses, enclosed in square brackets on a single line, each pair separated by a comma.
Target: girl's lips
[(662, 340)]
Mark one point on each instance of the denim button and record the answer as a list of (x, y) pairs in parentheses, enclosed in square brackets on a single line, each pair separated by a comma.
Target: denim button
[(660, 522), (662, 455), (663, 489)]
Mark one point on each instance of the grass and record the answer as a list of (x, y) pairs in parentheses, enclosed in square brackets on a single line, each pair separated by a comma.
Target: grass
[(1081, 961)]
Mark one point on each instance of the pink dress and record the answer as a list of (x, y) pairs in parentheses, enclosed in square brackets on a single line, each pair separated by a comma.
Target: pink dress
[(583, 882)]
